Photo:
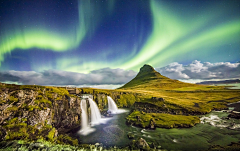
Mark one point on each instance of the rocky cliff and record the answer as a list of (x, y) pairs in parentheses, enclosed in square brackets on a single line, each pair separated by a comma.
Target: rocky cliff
[(33, 112)]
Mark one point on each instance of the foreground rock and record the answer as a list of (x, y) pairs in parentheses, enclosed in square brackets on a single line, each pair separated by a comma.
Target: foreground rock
[(140, 143), (234, 115), (231, 147), (32, 112)]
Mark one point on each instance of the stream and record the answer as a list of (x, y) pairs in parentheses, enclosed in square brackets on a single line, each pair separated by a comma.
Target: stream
[(215, 129)]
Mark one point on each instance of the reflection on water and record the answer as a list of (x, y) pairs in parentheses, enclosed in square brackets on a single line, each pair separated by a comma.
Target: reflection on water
[(215, 129), (232, 85)]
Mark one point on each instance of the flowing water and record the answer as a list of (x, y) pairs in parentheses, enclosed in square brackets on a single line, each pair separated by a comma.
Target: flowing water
[(95, 117), (214, 129), (84, 117), (112, 107), (95, 113)]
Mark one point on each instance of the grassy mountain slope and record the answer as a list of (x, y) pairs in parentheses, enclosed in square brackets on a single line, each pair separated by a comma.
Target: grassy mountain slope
[(193, 97), (149, 79)]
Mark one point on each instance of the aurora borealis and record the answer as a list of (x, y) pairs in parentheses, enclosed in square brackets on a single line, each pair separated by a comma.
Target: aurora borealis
[(86, 36)]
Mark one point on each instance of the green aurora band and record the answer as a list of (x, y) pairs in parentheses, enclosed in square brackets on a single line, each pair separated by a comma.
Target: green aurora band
[(46, 39), (168, 30), (171, 36)]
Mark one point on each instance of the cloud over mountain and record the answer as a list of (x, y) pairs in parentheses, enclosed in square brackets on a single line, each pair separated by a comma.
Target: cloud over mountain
[(198, 70), (107, 76)]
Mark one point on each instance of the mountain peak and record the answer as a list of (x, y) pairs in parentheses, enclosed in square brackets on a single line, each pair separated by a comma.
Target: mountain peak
[(145, 75), (146, 68), (148, 78)]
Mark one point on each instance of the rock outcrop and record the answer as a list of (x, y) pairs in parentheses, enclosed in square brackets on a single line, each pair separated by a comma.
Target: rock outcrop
[(46, 110), (235, 115)]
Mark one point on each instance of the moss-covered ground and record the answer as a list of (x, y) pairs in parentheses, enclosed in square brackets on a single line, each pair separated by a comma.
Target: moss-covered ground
[(42, 97), (161, 120)]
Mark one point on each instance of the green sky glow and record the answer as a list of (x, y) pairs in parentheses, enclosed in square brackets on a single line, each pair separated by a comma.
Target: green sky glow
[(171, 36), (163, 44), (46, 39)]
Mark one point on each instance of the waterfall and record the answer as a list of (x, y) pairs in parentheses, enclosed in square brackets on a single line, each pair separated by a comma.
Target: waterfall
[(95, 113), (112, 105), (84, 118), (95, 117)]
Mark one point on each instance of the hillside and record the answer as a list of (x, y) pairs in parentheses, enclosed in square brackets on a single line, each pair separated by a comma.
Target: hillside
[(173, 99), (179, 96), (149, 79)]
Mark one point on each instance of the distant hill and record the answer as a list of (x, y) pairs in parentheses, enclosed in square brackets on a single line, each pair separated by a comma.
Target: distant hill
[(148, 78), (220, 82)]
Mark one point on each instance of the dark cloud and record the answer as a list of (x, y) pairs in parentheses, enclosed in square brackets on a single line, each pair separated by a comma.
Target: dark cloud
[(198, 70), (56, 77), (107, 76)]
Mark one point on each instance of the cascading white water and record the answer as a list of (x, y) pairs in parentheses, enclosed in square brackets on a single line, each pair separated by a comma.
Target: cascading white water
[(112, 105), (95, 113), (84, 117), (95, 117)]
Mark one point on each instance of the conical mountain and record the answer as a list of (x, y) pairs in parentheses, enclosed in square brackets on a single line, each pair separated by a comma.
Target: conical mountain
[(148, 78)]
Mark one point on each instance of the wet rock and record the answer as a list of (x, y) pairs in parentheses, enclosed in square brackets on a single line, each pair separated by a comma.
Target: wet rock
[(3, 133), (152, 145), (20, 94), (130, 135), (39, 118), (196, 105), (152, 124), (138, 118), (142, 144), (158, 99), (234, 115)]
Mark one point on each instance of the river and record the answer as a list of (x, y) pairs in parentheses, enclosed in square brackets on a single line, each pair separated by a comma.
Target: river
[(215, 129)]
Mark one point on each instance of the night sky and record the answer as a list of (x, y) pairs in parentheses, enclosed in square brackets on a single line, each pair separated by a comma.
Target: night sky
[(107, 41)]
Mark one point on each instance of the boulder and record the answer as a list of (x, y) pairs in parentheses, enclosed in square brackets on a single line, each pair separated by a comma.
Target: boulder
[(152, 124), (158, 99), (20, 94), (234, 115), (3, 133), (130, 135), (39, 118), (142, 144)]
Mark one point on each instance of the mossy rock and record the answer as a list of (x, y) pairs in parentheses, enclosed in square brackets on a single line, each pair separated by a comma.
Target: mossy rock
[(145, 120), (66, 139)]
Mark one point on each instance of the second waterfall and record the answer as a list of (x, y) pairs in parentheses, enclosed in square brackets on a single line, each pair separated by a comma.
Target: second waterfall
[(112, 107), (95, 113)]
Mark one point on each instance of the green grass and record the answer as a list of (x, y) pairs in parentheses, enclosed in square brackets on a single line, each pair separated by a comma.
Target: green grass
[(12, 109), (65, 139), (43, 101), (19, 130), (32, 107), (12, 99), (161, 120)]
